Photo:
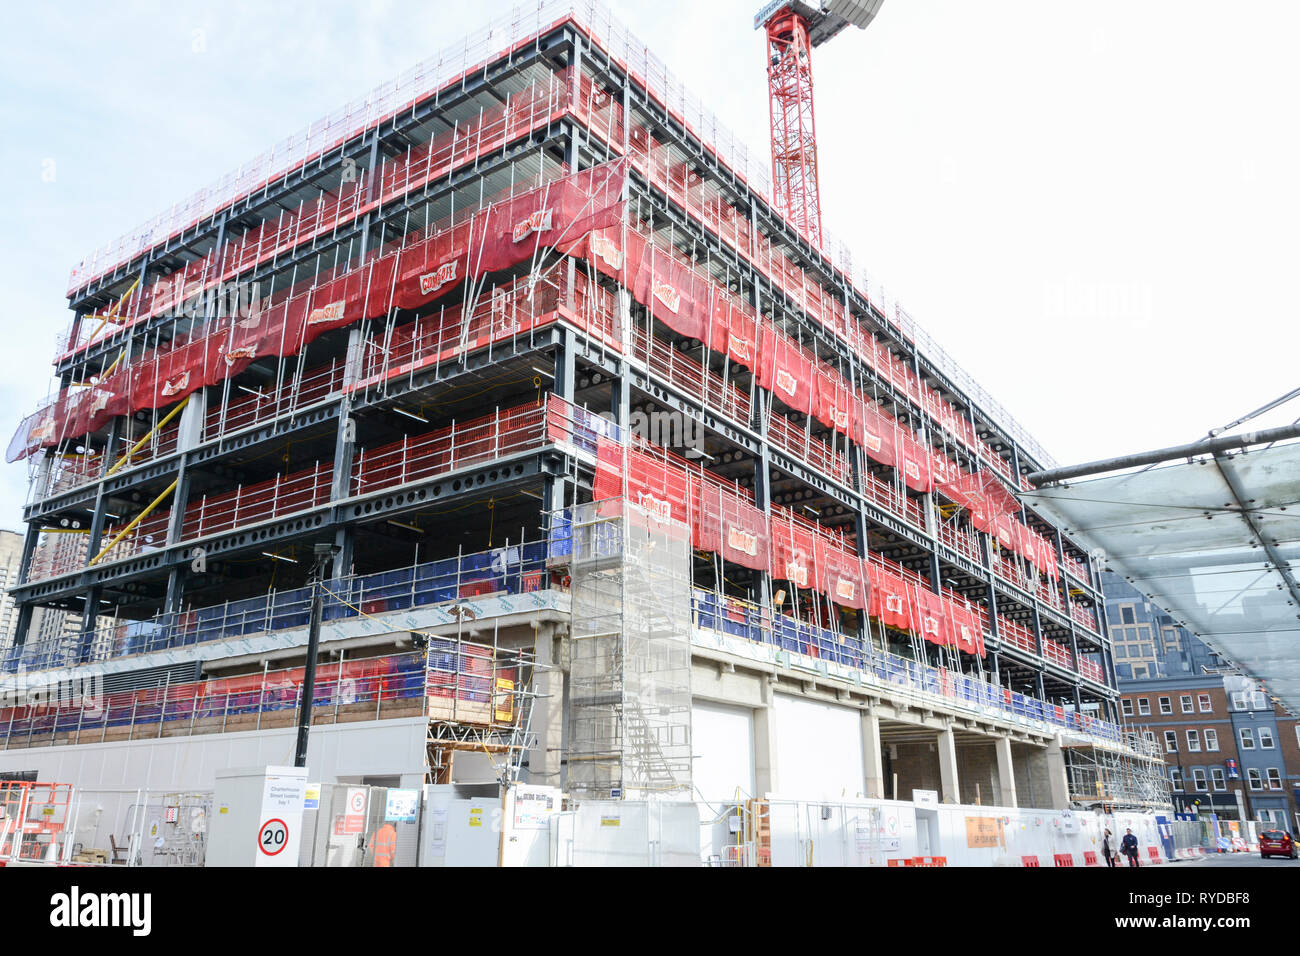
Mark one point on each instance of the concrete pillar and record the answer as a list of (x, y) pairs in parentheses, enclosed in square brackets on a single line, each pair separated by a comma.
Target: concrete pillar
[(765, 769), (1006, 773), (190, 427), (951, 792), (544, 768), (1056, 779), (872, 761)]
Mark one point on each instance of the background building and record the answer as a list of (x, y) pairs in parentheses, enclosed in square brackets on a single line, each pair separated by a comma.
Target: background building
[(11, 552), (1146, 641), (1228, 748)]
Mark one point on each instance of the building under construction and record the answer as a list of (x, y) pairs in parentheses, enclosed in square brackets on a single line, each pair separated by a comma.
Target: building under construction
[(633, 483)]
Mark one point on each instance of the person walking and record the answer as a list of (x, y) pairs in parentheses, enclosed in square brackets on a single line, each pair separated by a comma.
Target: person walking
[(1107, 850), (1129, 847)]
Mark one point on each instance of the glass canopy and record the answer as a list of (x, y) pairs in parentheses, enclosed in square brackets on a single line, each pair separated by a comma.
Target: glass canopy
[(1212, 540)]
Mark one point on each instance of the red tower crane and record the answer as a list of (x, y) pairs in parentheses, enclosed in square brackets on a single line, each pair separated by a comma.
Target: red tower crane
[(793, 28)]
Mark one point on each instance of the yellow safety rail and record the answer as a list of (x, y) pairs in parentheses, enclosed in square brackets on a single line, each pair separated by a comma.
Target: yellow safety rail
[(134, 521), (149, 434)]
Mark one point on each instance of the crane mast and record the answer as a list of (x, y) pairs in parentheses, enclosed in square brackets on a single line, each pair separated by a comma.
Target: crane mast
[(793, 28)]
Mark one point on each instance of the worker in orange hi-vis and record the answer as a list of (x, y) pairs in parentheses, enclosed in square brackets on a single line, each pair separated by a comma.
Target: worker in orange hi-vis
[(384, 844)]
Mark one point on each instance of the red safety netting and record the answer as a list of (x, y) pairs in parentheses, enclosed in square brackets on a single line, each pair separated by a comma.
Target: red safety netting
[(914, 463), (655, 485), (794, 552), (931, 616), (984, 496), (786, 370), (842, 579), (502, 235), (725, 522), (877, 430), (890, 601)]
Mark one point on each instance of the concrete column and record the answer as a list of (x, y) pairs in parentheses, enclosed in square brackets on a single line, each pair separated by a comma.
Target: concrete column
[(190, 428), (951, 792), (544, 768), (1006, 773), (1057, 782), (872, 760), (765, 769)]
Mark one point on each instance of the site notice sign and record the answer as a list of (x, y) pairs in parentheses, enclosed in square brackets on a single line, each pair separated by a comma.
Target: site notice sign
[(280, 829)]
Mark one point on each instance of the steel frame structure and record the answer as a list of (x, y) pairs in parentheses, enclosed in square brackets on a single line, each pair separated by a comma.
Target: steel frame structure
[(614, 354)]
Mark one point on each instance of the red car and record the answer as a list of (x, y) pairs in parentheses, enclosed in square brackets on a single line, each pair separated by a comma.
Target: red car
[(1276, 843)]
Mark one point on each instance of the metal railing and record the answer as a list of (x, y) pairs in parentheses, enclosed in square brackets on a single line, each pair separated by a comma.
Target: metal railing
[(738, 618), (514, 569)]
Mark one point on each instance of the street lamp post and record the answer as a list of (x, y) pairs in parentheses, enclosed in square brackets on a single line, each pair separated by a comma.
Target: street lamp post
[(324, 554)]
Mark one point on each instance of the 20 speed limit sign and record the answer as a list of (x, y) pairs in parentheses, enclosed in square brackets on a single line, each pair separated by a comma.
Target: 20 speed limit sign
[(273, 837)]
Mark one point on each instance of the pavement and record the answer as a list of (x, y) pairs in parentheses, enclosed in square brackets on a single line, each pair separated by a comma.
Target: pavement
[(1243, 859)]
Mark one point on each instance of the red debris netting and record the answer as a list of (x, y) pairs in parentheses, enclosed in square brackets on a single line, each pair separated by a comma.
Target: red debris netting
[(724, 520), (910, 606), (914, 462), (877, 431), (794, 552), (690, 302), (504, 234), (726, 523), (648, 481)]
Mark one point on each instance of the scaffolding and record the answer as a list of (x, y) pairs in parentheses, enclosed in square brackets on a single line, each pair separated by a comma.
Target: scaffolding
[(629, 653), (1131, 775)]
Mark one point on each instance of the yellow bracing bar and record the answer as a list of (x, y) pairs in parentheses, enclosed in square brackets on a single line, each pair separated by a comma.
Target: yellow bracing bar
[(109, 316), (65, 531), (108, 371), (135, 521), (149, 434)]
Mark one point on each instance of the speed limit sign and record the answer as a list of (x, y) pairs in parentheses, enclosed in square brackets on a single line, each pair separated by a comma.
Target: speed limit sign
[(273, 837)]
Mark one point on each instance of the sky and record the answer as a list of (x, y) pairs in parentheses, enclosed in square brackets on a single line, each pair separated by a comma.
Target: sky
[(1093, 207)]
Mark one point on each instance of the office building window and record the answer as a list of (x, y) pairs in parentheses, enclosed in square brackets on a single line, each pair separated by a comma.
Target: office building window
[(1256, 782), (1165, 706), (1126, 614), (1198, 779), (1238, 700), (1127, 706), (1176, 778), (1247, 738), (1140, 671), (1193, 741), (1204, 701), (1211, 739), (1265, 738), (1144, 707), (1219, 778), (1150, 736), (1186, 703), (1171, 742), (1274, 779)]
